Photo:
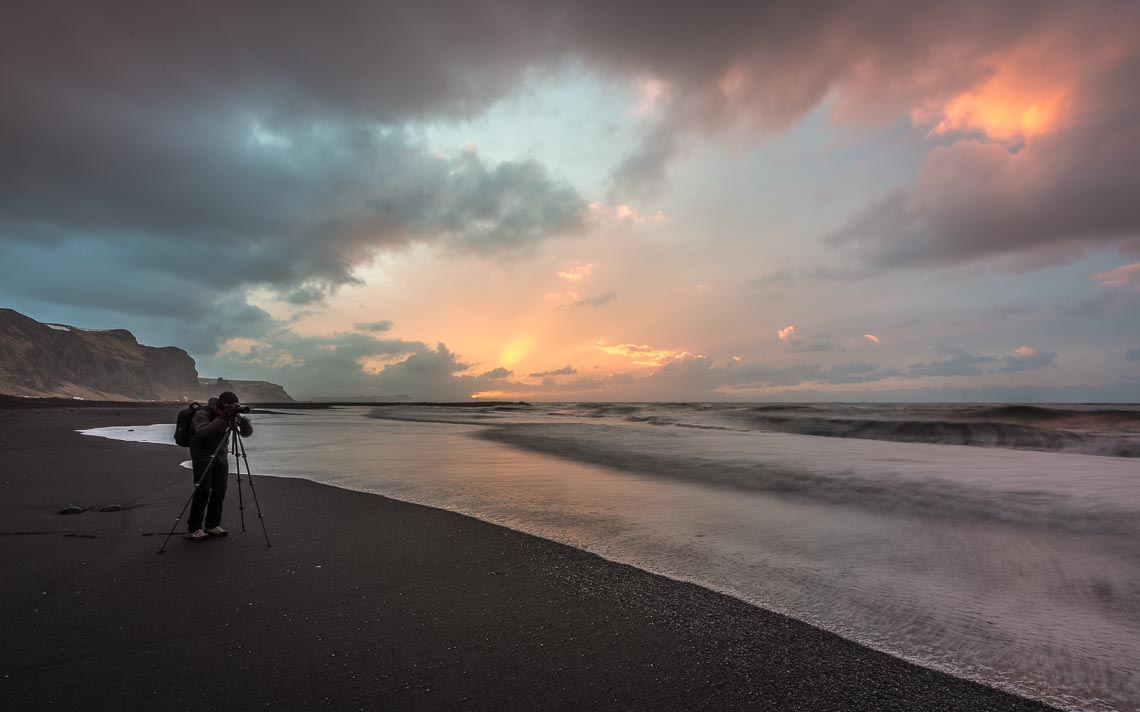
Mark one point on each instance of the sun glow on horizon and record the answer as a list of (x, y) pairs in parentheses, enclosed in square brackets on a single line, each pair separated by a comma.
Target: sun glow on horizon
[(516, 350)]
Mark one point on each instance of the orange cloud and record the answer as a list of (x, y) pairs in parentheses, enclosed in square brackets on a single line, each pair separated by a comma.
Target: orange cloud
[(1030, 90), (1004, 108), (1024, 352), (787, 333), (488, 394), (871, 337), (643, 355)]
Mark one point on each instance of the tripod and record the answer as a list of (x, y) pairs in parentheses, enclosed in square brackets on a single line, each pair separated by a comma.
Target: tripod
[(237, 449)]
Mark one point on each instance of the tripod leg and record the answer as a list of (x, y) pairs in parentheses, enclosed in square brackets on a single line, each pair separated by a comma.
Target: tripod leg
[(237, 464), (252, 487), (178, 519), (197, 482)]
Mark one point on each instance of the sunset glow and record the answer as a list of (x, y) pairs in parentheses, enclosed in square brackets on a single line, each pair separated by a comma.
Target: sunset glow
[(762, 205)]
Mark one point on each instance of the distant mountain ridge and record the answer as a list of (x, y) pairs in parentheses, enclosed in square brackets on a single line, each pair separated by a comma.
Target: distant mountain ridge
[(57, 360)]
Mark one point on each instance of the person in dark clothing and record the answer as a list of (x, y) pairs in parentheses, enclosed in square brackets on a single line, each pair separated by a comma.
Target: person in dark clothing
[(209, 433)]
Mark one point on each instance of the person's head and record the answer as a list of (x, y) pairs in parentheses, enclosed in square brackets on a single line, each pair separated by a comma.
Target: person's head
[(227, 398)]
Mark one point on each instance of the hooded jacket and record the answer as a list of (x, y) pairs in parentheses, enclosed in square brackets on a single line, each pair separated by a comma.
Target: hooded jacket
[(208, 429)]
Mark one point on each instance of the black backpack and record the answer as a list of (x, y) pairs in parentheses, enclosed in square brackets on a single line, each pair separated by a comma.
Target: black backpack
[(182, 425)]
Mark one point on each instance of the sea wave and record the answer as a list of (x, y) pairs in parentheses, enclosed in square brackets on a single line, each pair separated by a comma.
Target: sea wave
[(878, 488), (1071, 429), (957, 432)]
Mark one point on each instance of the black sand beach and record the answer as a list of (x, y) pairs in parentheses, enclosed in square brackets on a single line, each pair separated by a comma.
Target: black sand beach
[(368, 603)]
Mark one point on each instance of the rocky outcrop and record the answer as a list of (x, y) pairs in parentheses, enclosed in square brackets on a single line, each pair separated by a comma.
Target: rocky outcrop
[(57, 360), (247, 391)]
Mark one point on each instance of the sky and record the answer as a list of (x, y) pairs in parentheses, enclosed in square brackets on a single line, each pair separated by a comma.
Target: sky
[(836, 201)]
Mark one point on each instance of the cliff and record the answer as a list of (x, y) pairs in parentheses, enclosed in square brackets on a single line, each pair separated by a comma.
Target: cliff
[(247, 391), (55, 360)]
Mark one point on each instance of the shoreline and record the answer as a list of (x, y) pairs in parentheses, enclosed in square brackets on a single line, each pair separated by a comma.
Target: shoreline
[(457, 612)]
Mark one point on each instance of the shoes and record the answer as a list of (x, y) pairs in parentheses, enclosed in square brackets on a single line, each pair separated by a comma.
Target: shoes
[(197, 535), (216, 531)]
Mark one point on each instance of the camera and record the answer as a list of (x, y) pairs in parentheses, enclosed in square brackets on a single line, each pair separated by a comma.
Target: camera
[(235, 409)]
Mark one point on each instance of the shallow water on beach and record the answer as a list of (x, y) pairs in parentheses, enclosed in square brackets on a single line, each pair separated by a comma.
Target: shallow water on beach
[(1016, 567)]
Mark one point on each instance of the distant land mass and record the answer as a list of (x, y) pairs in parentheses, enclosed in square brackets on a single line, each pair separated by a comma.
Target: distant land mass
[(401, 398), (40, 360)]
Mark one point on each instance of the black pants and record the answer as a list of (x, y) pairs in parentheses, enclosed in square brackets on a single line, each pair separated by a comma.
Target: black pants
[(211, 492)]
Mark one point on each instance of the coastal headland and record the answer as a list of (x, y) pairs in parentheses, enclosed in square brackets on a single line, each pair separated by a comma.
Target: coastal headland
[(364, 602)]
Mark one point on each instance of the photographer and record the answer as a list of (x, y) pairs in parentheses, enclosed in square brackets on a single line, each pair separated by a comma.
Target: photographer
[(210, 431)]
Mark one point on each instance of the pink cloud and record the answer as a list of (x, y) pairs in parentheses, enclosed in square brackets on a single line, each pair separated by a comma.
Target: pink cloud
[(1121, 276), (871, 337), (788, 333)]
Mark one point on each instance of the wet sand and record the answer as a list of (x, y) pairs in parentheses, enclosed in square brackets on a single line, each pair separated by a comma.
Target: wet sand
[(364, 602)]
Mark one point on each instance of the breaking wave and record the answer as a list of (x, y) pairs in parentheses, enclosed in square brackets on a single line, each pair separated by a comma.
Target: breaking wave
[(721, 463)]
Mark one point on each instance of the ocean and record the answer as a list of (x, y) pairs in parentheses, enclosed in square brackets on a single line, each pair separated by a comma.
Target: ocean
[(1000, 543)]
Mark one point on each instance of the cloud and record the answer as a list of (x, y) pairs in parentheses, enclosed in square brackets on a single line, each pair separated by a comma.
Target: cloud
[(1122, 276), (577, 271), (496, 373), (815, 343), (1132, 354), (871, 337), (960, 362), (1041, 161), (283, 145), (353, 364), (622, 213), (349, 364), (373, 326), (597, 300), (326, 205), (693, 376), (564, 371), (1027, 359), (644, 355)]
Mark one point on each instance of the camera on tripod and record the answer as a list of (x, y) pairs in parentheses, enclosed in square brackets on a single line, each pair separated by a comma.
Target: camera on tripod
[(233, 410)]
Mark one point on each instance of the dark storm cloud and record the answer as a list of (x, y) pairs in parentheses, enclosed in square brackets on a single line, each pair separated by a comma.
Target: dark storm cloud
[(151, 148), (257, 143), (300, 217)]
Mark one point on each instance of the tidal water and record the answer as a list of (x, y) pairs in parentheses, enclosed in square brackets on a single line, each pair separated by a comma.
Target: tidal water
[(998, 543)]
